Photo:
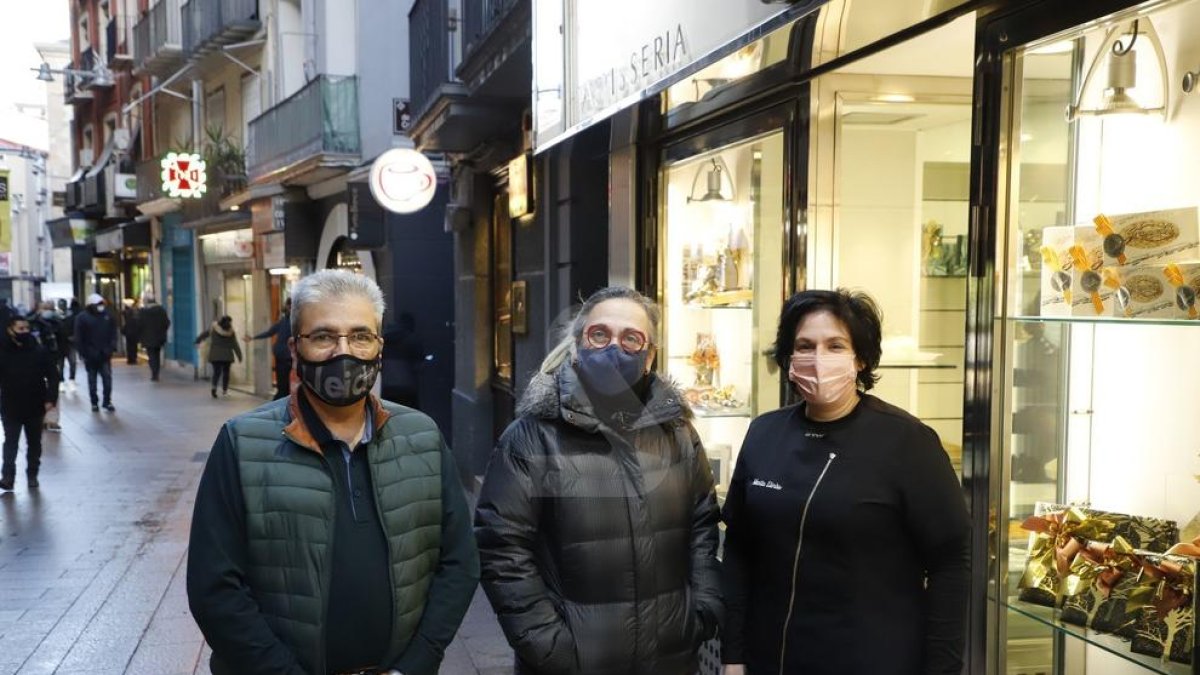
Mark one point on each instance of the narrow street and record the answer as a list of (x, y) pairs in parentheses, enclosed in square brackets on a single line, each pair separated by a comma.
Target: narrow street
[(92, 564)]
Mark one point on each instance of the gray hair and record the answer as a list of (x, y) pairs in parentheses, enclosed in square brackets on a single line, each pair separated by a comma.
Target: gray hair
[(568, 347), (333, 284)]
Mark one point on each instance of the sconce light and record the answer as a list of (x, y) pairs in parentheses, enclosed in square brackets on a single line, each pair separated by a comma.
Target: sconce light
[(716, 180), (1190, 80), (1122, 74)]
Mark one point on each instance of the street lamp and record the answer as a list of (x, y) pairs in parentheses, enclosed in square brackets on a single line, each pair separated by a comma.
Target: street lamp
[(101, 75)]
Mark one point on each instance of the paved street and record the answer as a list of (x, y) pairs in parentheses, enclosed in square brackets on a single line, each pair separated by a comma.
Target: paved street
[(92, 564)]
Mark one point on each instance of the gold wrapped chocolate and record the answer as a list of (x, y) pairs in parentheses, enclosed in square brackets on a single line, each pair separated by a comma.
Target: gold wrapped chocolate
[(1165, 597), (1060, 537)]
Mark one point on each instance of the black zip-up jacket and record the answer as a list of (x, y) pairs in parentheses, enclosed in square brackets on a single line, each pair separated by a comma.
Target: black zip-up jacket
[(847, 547), (95, 335), (28, 378), (598, 544)]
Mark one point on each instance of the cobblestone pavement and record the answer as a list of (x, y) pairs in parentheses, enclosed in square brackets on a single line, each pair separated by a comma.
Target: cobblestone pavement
[(92, 564)]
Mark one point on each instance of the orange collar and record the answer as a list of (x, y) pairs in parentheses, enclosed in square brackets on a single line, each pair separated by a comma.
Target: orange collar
[(299, 433)]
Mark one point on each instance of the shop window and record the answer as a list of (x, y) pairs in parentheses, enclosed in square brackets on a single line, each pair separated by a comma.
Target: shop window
[(1096, 324), (502, 290), (722, 287), (889, 212), (718, 77)]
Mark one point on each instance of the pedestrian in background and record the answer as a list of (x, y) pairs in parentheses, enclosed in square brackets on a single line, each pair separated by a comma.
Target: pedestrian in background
[(96, 342), (281, 330), (70, 314), (847, 540), (597, 520), (222, 348), (154, 324), (46, 327), (130, 330), (28, 390), (331, 533)]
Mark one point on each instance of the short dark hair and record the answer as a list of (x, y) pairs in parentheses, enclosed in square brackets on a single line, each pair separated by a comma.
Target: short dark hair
[(13, 319), (855, 309)]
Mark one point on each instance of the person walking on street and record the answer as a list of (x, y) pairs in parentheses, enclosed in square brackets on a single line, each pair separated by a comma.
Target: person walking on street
[(70, 314), (153, 332), (222, 348), (96, 341), (331, 533), (597, 520), (46, 327), (28, 390), (130, 329), (281, 330)]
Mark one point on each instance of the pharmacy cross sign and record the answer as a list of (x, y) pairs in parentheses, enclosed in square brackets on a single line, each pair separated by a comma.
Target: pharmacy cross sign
[(184, 175)]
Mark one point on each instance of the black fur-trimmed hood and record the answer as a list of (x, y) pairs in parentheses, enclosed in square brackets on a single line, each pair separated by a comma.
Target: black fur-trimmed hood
[(561, 395)]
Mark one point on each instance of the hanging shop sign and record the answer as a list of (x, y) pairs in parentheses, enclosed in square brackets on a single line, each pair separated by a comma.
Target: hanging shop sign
[(5, 213), (403, 180), (184, 175), (590, 60), (519, 202)]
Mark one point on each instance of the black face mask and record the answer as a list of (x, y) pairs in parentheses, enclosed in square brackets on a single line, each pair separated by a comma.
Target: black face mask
[(22, 339), (340, 381), (611, 371)]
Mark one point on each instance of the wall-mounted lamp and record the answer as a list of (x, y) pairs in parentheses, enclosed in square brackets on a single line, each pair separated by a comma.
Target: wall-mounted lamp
[(716, 178), (1122, 75), (1190, 80), (101, 76)]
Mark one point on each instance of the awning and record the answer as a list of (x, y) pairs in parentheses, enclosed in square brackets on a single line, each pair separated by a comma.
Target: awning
[(131, 234)]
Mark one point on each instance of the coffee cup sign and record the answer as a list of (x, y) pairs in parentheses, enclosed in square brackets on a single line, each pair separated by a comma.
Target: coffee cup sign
[(403, 180)]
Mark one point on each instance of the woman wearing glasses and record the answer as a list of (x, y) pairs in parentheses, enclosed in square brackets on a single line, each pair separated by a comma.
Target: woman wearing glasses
[(847, 539), (597, 521), (222, 348)]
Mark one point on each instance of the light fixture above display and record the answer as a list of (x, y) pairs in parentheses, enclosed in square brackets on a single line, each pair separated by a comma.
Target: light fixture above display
[(718, 184), (1121, 64)]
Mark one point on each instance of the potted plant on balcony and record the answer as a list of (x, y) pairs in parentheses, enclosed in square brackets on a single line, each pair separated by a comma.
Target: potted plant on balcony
[(226, 161)]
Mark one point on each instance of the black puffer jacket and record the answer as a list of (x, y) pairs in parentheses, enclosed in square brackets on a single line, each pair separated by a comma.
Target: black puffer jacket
[(598, 546)]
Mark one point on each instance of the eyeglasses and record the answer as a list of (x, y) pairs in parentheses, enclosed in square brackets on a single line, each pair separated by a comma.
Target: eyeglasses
[(630, 340), (359, 342)]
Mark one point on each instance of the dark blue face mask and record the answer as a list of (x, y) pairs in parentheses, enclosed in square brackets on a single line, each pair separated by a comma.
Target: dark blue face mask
[(610, 371)]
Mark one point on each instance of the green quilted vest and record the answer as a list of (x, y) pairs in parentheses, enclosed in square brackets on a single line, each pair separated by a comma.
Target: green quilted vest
[(289, 496)]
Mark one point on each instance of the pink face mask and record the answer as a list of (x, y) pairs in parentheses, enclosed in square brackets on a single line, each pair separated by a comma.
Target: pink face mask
[(825, 378)]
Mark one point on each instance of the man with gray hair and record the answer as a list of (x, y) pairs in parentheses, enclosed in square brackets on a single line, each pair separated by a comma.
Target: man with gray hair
[(330, 533)]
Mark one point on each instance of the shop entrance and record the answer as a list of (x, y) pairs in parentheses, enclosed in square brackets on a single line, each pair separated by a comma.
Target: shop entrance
[(230, 293)]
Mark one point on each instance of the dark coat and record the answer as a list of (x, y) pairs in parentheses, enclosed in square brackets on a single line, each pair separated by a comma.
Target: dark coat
[(154, 324), (130, 323), (95, 335), (222, 344), (28, 378), (47, 331), (598, 546), (281, 330)]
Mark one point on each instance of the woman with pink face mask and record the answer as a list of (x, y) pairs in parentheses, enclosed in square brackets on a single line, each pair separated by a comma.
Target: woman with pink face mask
[(847, 535)]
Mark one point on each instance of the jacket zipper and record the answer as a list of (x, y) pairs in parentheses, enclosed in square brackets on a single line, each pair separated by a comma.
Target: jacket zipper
[(350, 484), (796, 561), (327, 577)]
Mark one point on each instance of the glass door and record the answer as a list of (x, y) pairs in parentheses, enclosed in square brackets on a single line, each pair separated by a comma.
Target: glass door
[(1095, 326), (722, 285)]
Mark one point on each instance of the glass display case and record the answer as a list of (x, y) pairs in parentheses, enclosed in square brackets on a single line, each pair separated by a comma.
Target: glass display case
[(1097, 370), (722, 287)]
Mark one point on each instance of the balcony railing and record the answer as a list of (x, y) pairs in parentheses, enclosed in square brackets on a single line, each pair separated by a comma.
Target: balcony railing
[(75, 86), (211, 23), (480, 18), (320, 119), (431, 60), (158, 38)]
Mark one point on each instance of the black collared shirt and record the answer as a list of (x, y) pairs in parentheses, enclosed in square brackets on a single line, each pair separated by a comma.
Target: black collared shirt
[(359, 620)]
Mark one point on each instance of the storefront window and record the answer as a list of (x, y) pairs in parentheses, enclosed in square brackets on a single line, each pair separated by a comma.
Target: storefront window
[(723, 288), (1100, 250), (710, 81), (889, 211)]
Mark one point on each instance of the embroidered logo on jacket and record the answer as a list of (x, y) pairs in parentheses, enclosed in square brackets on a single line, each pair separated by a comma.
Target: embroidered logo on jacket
[(770, 484)]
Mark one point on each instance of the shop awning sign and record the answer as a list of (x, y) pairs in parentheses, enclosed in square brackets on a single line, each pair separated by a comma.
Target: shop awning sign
[(403, 180), (184, 175)]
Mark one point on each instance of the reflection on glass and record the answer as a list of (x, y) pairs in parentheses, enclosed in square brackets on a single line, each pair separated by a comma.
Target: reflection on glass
[(723, 288), (1103, 245), (714, 79)]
